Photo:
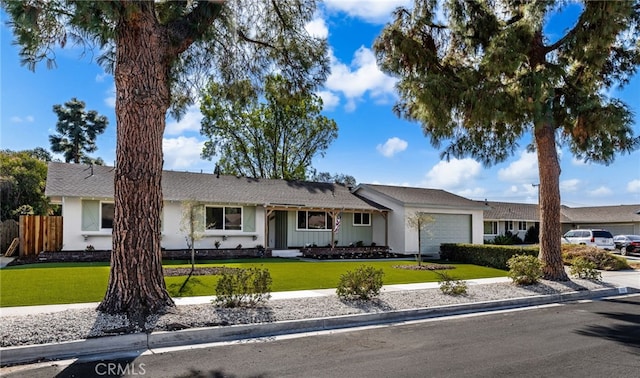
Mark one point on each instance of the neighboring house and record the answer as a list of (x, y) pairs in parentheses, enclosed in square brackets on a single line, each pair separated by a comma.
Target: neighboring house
[(243, 211), (518, 217), (620, 219), (456, 219)]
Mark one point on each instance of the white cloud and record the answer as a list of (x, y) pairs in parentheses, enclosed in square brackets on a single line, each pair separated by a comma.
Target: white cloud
[(392, 146), (181, 152), (473, 193), (25, 119), (360, 77), (601, 192), (189, 122), (633, 186), (523, 170), (578, 162), (317, 28), (373, 11), (453, 174), (329, 100), (570, 186), (110, 100)]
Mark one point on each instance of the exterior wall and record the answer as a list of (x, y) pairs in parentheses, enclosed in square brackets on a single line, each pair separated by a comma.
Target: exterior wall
[(395, 221), (614, 228), (74, 238), (347, 233), (502, 229), (403, 239)]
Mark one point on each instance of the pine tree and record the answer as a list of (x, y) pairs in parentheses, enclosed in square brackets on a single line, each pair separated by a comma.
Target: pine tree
[(77, 131), (159, 53), (488, 75)]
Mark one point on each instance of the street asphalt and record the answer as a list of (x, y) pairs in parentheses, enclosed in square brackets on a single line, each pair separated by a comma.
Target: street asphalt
[(621, 282)]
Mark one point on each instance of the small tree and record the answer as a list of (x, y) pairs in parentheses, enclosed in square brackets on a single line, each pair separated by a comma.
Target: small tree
[(417, 221), (192, 224), (77, 130)]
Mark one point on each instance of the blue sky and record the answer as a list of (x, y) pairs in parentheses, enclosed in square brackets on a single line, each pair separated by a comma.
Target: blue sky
[(373, 144)]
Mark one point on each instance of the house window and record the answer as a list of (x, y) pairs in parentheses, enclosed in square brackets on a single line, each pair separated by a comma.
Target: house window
[(106, 214), (508, 225), (491, 228), (223, 218), (361, 219), (314, 220), (522, 226)]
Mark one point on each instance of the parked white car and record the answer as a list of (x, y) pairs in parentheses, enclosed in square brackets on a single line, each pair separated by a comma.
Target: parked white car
[(596, 238)]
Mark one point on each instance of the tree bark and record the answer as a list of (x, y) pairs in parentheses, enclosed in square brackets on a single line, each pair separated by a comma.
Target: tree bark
[(549, 203), (136, 282)]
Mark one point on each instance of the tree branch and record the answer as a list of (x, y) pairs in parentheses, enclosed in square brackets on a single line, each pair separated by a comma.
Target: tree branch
[(186, 30)]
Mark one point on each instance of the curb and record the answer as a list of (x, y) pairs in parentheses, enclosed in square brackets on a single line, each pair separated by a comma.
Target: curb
[(141, 342)]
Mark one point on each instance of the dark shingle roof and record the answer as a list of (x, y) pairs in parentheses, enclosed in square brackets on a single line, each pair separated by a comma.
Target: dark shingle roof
[(594, 214), (411, 196), (603, 214), (512, 211), (76, 180)]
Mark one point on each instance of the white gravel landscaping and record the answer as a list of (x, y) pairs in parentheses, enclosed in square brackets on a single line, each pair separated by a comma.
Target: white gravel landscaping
[(75, 324)]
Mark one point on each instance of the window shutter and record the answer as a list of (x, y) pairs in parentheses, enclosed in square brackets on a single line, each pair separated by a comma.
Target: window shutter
[(249, 219), (90, 215)]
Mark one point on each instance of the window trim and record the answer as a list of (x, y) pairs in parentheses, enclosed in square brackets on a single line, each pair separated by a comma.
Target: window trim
[(224, 224), (508, 225), (101, 217), (494, 227), (520, 223), (361, 224), (328, 225)]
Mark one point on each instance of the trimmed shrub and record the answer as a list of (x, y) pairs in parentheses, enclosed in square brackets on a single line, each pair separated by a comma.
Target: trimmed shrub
[(363, 283), (583, 268), (243, 287), (493, 256), (602, 259), (525, 269), (450, 285), (533, 235)]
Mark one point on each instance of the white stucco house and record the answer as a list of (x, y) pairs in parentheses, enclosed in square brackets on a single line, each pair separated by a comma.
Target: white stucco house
[(456, 219), (276, 214)]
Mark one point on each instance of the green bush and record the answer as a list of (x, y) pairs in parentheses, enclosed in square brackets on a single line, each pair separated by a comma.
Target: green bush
[(507, 239), (524, 269), (450, 285), (584, 268), (363, 283), (493, 256), (602, 259), (243, 287), (533, 235)]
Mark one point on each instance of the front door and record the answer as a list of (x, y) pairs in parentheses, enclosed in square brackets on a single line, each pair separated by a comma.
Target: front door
[(281, 230)]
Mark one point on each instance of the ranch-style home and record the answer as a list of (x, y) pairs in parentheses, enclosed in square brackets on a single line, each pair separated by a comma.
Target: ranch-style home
[(518, 217), (276, 214)]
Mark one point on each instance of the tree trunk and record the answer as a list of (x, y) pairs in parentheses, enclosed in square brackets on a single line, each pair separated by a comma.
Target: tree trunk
[(549, 203), (136, 282)]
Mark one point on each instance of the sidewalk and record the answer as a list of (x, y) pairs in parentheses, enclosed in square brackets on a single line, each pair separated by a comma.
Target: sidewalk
[(618, 283), (182, 301)]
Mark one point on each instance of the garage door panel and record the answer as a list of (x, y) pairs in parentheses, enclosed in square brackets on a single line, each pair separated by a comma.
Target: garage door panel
[(446, 228)]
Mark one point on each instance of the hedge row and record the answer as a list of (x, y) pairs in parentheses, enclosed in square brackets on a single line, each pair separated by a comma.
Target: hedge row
[(493, 256)]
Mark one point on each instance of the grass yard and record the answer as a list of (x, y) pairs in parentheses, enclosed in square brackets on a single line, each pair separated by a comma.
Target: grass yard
[(59, 283)]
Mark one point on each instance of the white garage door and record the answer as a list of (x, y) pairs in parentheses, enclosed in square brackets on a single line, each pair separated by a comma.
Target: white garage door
[(447, 228), (614, 229)]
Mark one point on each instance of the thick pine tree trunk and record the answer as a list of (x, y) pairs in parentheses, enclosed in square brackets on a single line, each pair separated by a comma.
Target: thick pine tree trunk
[(136, 283), (549, 204)]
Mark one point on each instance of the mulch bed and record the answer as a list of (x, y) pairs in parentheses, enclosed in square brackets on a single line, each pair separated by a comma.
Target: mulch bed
[(170, 272), (424, 267)]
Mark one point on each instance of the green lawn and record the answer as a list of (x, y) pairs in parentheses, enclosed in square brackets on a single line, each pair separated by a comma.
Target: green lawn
[(58, 283)]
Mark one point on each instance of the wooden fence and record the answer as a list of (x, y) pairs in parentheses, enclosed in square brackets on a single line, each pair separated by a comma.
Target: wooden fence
[(9, 230), (40, 233)]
